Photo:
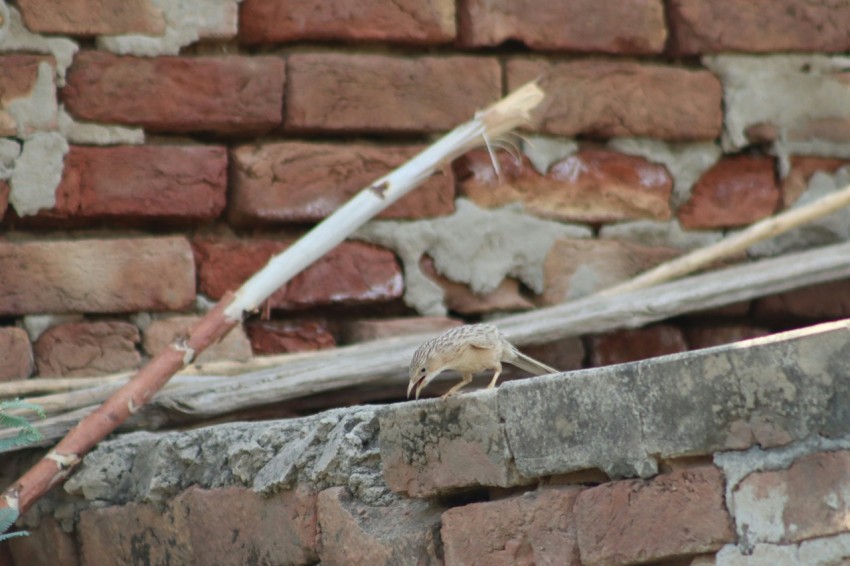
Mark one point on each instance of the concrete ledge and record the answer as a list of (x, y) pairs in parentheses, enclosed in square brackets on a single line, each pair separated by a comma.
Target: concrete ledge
[(621, 419)]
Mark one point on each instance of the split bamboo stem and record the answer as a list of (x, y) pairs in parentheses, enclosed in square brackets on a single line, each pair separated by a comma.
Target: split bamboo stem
[(491, 123)]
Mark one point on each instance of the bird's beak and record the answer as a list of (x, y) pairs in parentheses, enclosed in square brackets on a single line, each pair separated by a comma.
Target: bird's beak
[(417, 384)]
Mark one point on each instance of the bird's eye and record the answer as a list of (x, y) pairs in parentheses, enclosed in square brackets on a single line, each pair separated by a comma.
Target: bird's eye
[(422, 370)]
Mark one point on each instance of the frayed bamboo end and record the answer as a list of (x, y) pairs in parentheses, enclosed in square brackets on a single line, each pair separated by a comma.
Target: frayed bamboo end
[(512, 111)]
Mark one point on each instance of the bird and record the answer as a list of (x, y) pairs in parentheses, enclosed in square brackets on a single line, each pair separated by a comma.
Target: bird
[(467, 349)]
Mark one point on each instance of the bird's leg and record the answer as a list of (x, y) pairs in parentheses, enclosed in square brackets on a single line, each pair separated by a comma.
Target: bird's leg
[(467, 379), (498, 371)]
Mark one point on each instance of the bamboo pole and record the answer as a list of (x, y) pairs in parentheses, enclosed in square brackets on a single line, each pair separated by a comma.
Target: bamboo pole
[(494, 121), (736, 243)]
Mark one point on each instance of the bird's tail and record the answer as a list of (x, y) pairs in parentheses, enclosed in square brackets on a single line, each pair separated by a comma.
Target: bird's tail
[(530, 365)]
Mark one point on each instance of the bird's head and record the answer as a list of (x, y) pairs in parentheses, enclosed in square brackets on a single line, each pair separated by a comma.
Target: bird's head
[(424, 367)]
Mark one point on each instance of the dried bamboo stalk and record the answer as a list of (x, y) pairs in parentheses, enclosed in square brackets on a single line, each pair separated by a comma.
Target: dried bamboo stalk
[(490, 123), (736, 243)]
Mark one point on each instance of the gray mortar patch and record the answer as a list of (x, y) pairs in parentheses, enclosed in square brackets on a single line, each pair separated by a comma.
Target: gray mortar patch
[(16, 37), (788, 92), (475, 246), (37, 173)]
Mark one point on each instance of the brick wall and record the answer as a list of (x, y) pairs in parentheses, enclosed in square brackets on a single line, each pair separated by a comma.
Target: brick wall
[(140, 140), (192, 140)]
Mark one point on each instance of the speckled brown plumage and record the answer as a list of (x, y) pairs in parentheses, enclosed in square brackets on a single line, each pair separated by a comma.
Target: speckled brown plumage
[(468, 350)]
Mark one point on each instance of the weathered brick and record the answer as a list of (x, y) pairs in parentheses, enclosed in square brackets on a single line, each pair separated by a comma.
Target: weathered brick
[(18, 74), (824, 301), (162, 332), (377, 93), (305, 182), (283, 336), (575, 268), (640, 521), (142, 182), (237, 523), (46, 544), (353, 272), (93, 17), (438, 446), (809, 499), (535, 528), (16, 353), (230, 94), (603, 98), (459, 298), (635, 344), (407, 21), (590, 186), (87, 348), (93, 275), (378, 328), (715, 335), (703, 26), (735, 192), (352, 532), (586, 25)]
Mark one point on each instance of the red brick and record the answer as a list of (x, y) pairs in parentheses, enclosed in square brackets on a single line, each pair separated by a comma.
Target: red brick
[(92, 17), (609, 26), (459, 298), (18, 74), (708, 336), (237, 523), (575, 268), (378, 93), (87, 348), (803, 168), (816, 302), (229, 94), (635, 344), (351, 273), (160, 333), (16, 353), (427, 22), (591, 186), (761, 26), (142, 182), (535, 528), (284, 336), (404, 532), (46, 545), (97, 276), (379, 328), (633, 521), (735, 192), (305, 182), (809, 499), (603, 98)]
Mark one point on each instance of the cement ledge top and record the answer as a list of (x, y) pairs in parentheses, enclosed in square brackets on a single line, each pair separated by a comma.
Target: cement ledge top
[(623, 419), (620, 419)]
